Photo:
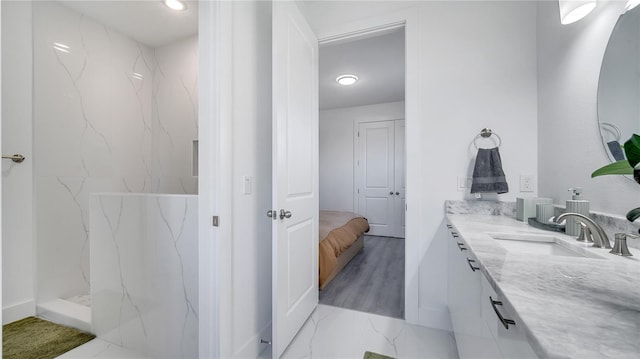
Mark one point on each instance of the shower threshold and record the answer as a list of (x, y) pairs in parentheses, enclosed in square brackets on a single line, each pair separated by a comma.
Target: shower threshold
[(74, 312)]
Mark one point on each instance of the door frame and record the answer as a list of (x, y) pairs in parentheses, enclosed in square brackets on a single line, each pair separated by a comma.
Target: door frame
[(215, 175), (371, 26)]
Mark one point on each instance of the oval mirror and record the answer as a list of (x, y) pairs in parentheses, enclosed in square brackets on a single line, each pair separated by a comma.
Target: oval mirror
[(619, 86)]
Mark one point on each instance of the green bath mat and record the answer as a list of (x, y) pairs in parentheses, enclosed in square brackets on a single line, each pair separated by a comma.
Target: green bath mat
[(372, 355), (33, 338)]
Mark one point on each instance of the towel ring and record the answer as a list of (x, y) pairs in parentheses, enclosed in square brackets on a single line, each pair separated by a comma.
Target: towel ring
[(486, 133), (611, 128)]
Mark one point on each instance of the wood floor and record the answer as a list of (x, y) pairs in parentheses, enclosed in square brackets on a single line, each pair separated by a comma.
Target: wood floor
[(373, 281)]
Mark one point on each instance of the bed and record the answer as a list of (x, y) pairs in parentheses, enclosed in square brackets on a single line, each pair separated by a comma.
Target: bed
[(341, 238)]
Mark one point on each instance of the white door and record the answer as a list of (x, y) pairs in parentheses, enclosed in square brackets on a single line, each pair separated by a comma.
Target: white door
[(376, 175), (295, 173), (380, 176)]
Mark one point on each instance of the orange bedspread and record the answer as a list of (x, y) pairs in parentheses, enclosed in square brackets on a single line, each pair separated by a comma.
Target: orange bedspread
[(336, 242)]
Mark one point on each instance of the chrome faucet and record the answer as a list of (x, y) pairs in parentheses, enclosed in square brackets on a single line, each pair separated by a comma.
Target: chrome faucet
[(600, 239)]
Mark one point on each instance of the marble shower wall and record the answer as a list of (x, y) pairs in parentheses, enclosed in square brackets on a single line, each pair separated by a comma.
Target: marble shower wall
[(101, 99), (175, 116), (144, 264)]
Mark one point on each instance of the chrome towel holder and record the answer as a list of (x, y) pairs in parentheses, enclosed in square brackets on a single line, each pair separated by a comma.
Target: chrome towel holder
[(17, 158), (486, 133)]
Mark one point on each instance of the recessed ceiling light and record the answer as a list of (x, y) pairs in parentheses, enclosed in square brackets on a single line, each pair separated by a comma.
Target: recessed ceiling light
[(177, 5), (346, 80)]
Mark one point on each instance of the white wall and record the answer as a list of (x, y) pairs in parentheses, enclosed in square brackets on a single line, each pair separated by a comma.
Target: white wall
[(475, 67), (337, 150), (18, 261), (569, 139)]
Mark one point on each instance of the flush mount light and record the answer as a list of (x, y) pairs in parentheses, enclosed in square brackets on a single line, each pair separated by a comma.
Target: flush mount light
[(346, 80), (631, 4), (574, 10), (177, 5)]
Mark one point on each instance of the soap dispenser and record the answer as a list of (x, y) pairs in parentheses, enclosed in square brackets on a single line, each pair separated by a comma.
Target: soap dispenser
[(575, 205)]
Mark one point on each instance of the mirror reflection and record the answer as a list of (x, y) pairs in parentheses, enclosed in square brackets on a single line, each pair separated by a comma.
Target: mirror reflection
[(619, 86)]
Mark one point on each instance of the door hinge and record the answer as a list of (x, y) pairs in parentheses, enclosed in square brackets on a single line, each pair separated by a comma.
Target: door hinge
[(215, 221), (358, 133), (358, 190)]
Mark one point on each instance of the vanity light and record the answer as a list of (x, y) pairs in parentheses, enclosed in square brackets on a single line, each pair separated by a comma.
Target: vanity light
[(347, 80), (177, 5), (574, 10), (631, 4)]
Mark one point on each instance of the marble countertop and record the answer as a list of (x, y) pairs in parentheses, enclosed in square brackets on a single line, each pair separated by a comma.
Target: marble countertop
[(570, 307)]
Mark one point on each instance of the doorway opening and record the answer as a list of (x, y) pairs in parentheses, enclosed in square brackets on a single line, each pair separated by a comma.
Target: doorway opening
[(362, 167)]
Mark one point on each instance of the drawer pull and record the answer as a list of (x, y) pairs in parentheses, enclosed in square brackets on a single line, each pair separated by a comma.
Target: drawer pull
[(461, 246), (505, 322), (454, 234), (473, 268), (449, 226)]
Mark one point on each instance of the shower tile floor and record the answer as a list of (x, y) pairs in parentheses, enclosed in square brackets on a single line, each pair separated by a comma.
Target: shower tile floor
[(81, 299), (331, 332)]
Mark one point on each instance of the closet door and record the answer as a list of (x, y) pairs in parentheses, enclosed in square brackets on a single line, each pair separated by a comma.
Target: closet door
[(400, 198), (376, 172)]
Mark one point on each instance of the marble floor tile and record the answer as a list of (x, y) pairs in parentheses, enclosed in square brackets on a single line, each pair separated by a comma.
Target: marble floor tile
[(333, 332), (101, 349)]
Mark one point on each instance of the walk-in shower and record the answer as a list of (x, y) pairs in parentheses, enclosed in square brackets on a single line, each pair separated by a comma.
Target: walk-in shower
[(114, 189)]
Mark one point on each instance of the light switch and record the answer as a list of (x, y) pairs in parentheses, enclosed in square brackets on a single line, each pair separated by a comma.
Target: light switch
[(463, 183), (246, 184)]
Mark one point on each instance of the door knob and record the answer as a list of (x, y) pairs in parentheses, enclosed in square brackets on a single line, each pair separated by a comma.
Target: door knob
[(285, 214), (272, 214), (391, 193), (397, 193)]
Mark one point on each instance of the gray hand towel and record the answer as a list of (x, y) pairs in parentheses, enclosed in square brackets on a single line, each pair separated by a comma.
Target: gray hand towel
[(488, 176), (616, 150)]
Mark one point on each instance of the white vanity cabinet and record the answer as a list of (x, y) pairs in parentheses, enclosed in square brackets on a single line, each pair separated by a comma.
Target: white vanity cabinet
[(478, 330), (473, 337), (507, 332)]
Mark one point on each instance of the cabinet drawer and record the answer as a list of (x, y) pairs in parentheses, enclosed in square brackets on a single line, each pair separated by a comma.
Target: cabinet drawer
[(508, 334), (473, 338)]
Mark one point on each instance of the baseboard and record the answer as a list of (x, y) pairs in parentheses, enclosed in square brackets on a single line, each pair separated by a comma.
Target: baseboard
[(437, 318), (252, 348), (18, 311)]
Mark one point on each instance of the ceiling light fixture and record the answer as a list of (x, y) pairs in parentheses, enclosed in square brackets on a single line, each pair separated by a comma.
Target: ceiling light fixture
[(177, 5), (631, 4), (347, 80), (574, 10)]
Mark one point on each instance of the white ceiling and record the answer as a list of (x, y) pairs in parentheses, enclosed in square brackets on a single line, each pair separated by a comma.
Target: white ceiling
[(377, 61), (146, 21)]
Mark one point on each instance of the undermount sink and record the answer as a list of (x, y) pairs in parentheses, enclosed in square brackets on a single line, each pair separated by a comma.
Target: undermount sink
[(539, 244)]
